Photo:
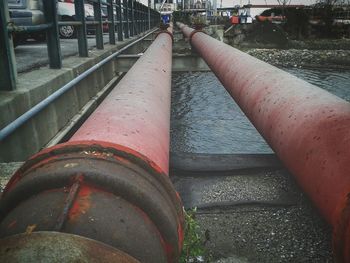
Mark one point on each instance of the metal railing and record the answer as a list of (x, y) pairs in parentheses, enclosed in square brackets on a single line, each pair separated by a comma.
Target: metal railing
[(126, 17), (17, 123)]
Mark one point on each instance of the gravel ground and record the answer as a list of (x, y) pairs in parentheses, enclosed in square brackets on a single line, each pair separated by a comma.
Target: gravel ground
[(256, 216), (6, 171), (304, 58)]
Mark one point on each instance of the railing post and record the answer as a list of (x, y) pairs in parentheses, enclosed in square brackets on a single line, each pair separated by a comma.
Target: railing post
[(141, 22), (98, 18), (111, 26), (129, 16), (145, 16), (8, 70), (81, 30), (120, 20), (126, 18), (136, 30), (149, 14), (151, 17), (53, 41), (139, 16), (132, 15), (155, 15)]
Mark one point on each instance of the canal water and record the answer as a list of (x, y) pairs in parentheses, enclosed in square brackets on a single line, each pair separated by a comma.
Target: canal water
[(206, 120)]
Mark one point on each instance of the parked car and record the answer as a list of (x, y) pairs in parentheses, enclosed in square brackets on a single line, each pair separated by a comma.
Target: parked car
[(30, 13), (66, 12), (26, 13)]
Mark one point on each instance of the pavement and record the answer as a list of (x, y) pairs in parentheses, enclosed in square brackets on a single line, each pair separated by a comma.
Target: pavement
[(33, 54), (258, 215)]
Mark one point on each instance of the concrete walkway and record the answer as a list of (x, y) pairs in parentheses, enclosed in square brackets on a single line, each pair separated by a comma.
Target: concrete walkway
[(33, 54)]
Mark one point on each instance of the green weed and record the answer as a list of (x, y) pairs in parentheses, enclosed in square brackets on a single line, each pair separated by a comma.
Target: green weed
[(193, 248)]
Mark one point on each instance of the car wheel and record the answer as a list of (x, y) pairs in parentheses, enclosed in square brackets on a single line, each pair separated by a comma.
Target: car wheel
[(67, 31)]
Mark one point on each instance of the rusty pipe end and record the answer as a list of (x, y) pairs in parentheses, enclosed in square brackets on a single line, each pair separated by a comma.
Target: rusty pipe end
[(168, 31), (188, 32), (98, 190), (55, 246)]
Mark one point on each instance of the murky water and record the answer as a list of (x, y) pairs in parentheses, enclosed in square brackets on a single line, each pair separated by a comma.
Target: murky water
[(334, 81), (205, 119)]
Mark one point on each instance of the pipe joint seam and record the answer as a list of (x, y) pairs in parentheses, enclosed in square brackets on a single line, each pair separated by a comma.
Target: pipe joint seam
[(166, 32), (192, 34)]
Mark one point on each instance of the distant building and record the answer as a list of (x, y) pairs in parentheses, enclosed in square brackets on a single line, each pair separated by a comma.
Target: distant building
[(168, 7)]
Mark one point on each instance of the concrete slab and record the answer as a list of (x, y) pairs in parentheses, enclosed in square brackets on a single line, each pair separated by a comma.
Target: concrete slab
[(256, 216)]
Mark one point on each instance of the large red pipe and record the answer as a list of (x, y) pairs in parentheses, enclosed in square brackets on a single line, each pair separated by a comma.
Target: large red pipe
[(307, 127), (110, 181)]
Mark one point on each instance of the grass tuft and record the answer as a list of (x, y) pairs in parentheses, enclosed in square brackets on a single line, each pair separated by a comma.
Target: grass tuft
[(193, 250)]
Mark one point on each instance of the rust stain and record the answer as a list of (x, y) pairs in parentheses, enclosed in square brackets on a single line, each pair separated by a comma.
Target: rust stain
[(98, 154), (30, 229), (82, 202), (122, 160), (181, 235), (70, 165), (12, 224)]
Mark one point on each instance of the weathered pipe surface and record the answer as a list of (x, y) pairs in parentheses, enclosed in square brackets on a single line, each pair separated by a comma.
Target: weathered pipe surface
[(59, 247), (110, 181), (306, 126), (137, 113)]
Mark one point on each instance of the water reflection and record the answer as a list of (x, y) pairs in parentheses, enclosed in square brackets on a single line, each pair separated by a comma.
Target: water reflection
[(334, 81), (205, 119)]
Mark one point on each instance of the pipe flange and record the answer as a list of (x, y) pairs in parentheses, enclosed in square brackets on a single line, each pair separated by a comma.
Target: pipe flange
[(72, 185), (192, 34), (166, 32)]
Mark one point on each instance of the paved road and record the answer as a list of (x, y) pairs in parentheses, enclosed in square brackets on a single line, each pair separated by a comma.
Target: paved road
[(33, 54)]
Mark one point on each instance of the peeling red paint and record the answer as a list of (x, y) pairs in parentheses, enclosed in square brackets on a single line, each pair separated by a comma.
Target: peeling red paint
[(82, 202), (140, 120)]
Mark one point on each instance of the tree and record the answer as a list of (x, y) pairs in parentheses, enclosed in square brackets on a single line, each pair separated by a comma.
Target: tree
[(333, 2), (283, 3), (327, 8)]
